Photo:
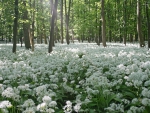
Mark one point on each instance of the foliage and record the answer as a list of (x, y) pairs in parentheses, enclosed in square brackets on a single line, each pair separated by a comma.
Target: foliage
[(84, 18)]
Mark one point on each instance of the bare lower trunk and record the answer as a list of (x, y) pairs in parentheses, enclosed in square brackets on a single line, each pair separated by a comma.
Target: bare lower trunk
[(139, 30)]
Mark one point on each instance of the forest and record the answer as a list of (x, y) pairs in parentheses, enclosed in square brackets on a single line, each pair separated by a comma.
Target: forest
[(74, 56), (91, 20)]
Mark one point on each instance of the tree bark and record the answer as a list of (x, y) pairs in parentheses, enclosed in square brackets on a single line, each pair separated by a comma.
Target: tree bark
[(15, 27), (54, 13), (139, 26), (67, 14), (26, 27), (125, 25), (103, 23), (148, 24), (33, 21), (62, 36)]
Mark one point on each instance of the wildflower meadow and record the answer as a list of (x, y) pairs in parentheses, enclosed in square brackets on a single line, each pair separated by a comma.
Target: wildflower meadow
[(75, 78)]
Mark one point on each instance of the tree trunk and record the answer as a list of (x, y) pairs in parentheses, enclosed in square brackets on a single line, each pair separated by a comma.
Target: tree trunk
[(139, 26), (33, 21), (125, 26), (103, 23), (54, 13), (62, 36), (148, 25), (26, 27), (96, 34), (67, 14), (15, 27)]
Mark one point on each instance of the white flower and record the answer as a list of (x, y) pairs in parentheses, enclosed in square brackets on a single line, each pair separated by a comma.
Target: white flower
[(65, 79), (125, 101), (126, 77), (135, 100), (134, 109), (41, 90), (146, 102), (42, 107), (5, 104), (68, 108), (50, 110), (115, 107), (9, 93), (46, 99), (68, 103), (146, 93), (137, 83), (52, 104), (1, 78), (77, 107), (147, 83), (24, 87), (28, 103), (29, 110)]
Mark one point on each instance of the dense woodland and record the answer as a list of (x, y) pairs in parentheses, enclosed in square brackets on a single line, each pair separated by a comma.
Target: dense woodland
[(51, 21)]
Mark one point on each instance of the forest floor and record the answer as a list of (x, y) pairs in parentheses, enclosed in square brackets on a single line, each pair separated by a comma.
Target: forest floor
[(75, 78)]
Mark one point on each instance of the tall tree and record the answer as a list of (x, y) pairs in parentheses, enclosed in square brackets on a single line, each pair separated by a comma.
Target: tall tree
[(125, 21), (62, 36), (26, 27), (96, 24), (103, 23), (33, 28), (139, 26), (54, 14), (148, 23), (15, 27), (67, 15)]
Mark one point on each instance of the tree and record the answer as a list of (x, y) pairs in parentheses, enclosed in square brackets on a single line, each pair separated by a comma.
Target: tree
[(125, 21), (67, 15), (62, 36), (33, 28), (148, 23), (54, 14), (139, 29), (26, 27), (103, 23), (15, 27)]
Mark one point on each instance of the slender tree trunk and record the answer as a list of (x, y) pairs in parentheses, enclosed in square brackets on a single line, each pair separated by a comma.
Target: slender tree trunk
[(96, 34), (33, 21), (109, 19), (67, 14), (15, 27), (139, 26), (62, 36), (72, 18), (9, 38), (41, 26), (103, 23), (125, 19), (148, 24), (26, 27), (54, 13)]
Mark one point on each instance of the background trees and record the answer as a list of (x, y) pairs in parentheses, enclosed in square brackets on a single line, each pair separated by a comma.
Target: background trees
[(78, 19)]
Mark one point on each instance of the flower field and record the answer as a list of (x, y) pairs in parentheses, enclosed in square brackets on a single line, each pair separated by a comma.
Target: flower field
[(75, 78)]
